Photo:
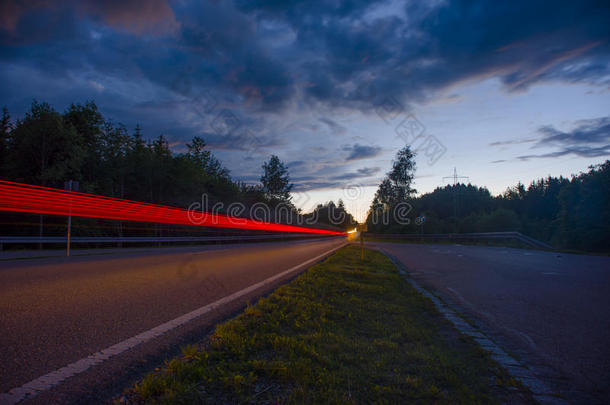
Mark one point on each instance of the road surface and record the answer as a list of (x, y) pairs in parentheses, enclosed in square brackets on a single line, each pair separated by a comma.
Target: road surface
[(551, 309), (56, 311)]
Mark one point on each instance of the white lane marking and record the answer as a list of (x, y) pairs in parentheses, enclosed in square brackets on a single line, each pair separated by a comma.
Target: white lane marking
[(523, 335), (56, 377)]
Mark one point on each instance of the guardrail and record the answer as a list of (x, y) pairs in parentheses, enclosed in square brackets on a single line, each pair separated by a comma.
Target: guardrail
[(467, 236), (146, 239)]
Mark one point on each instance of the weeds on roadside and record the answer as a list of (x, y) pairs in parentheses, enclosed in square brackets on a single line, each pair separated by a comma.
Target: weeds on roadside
[(345, 331)]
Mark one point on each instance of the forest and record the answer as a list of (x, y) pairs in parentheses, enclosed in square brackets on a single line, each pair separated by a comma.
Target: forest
[(47, 148), (568, 213)]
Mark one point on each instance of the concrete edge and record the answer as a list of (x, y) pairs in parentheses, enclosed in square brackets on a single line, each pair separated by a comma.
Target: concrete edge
[(540, 390)]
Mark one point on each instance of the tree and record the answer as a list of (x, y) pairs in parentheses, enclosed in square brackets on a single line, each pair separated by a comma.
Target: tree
[(197, 152), (138, 168), (5, 132), (276, 181), (500, 220), (585, 210), (386, 195), (160, 169), (89, 124), (394, 190), (44, 149), (47, 148), (114, 151), (402, 174), (204, 158), (333, 215)]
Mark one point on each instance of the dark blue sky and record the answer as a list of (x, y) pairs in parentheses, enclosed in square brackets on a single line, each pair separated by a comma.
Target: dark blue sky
[(506, 91)]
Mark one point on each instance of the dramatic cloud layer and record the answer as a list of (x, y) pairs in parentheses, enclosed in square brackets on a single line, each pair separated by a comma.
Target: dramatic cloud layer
[(589, 138), (357, 151), (245, 75), (590, 132)]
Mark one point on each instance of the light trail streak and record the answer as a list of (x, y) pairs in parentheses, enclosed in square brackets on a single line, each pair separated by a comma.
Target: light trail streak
[(25, 198)]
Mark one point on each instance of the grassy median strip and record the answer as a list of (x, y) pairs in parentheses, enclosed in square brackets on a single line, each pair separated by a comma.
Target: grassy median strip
[(345, 331)]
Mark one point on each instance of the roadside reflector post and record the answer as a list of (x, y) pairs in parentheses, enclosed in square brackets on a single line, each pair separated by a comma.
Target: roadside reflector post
[(362, 228), (361, 245), (70, 185)]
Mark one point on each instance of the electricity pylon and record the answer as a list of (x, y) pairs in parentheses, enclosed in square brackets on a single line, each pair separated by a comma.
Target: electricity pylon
[(455, 178)]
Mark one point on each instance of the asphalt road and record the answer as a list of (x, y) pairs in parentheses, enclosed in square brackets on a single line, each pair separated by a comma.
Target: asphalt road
[(551, 309), (56, 311)]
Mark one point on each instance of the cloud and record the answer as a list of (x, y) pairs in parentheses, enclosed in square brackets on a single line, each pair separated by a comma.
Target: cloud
[(590, 131), (360, 173), (513, 142), (296, 164), (357, 151), (335, 128), (325, 185), (243, 140), (316, 185), (12, 10), (134, 16), (582, 151), (317, 54), (368, 171), (588, 138), (438, 47), (268, 61), (20, 18)]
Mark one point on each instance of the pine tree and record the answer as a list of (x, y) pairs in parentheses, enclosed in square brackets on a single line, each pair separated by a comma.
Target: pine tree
[(276, 181), (5, 132), (44, 149)]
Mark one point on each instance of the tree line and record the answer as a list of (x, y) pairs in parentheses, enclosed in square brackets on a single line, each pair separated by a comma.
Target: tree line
[(47, 148), (568, 213)]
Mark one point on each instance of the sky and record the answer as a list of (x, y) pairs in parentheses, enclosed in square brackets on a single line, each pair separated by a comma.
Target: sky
[(501, 91)]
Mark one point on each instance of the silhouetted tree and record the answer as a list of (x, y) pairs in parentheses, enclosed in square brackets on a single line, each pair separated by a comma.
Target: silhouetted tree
[(569, 213), (335, 215), (5, 131), (88, 122), (276, 181), (45, 149), (402, 174), (395, 189)]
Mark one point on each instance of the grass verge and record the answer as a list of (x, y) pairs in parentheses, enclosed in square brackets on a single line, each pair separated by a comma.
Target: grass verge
[(345, 331)]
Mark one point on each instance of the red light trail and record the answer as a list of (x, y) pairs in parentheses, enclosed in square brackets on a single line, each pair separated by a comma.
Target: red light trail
[(17, 197)]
